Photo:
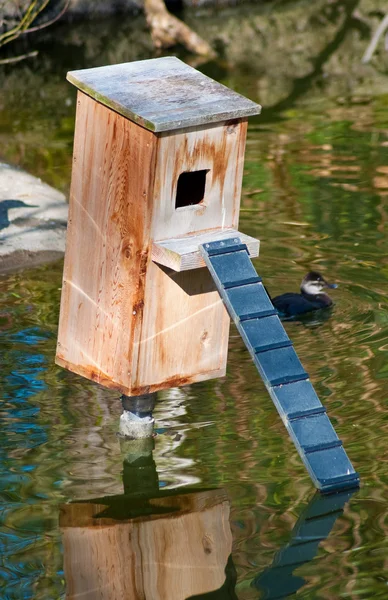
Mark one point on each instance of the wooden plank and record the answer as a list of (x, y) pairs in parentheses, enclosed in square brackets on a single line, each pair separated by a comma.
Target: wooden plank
[(183, 336), (107, 244), (126, 322), (172, 557), (162, 94), (184, 332), (219, 150), (181, 254)]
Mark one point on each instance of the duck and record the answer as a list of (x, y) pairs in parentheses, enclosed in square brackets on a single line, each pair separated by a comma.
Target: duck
[(312, 296)]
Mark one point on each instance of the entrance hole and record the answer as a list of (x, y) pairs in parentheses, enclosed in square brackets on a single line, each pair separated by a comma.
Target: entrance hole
[(190, 188)]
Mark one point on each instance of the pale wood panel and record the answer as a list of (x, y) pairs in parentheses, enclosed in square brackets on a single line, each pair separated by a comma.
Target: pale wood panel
[(126, 322), (182, 254), (183, 336), (107, 244), (162, 93), (218, 149), (185, 330), (172, 557)]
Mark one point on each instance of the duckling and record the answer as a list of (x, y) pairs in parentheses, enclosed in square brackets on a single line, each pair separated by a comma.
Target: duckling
[(312, 296)]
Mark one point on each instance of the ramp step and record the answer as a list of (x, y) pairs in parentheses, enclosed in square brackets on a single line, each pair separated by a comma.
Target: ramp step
[(240, 282), (306, 413), (305, 428), (342, 482), (296, 399), (249, 301), (280, 366), (318, 447), (223, 248), (232, 268), (264, 334), (257, 321)]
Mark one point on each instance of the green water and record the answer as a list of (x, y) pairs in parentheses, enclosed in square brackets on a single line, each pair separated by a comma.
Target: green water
[(315, 192)]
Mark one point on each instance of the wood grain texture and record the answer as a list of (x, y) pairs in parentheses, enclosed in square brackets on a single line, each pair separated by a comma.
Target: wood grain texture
[(126, 322), (219, 150), (162, 94), (182, 254), (172, 557), (184, 337), (107, 246)]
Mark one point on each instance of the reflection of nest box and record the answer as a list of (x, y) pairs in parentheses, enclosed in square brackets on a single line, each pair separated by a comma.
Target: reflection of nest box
[(174, 554), (157, 169)]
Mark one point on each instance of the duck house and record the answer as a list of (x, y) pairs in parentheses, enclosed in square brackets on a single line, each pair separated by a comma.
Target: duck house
[(157, 169), (155, 196)]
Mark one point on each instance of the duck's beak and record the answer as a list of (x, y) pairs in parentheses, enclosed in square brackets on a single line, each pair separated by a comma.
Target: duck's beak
[(332, 286)]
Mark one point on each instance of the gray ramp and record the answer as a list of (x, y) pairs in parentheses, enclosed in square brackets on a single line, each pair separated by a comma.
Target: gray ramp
[(256, 319), (313, 526)]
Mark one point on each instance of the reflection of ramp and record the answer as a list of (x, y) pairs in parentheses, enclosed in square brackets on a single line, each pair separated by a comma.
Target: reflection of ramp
[(278, 364), (312, 527)]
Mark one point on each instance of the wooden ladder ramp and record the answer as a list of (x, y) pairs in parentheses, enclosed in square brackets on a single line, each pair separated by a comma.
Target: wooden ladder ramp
[(288, 384)]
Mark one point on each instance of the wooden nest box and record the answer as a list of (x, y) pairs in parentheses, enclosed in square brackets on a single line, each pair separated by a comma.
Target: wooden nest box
[(157, 169)]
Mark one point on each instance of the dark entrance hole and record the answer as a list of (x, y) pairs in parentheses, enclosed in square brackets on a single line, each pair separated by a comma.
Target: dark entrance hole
[(191, 188)]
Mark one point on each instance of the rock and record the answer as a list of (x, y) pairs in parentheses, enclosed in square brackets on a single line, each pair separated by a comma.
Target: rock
[(33, 218)]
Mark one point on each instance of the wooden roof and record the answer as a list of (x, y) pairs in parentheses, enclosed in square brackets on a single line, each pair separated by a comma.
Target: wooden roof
[(162, 94)]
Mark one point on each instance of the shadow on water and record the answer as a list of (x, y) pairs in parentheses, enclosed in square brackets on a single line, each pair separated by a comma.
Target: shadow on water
[(312, 319)]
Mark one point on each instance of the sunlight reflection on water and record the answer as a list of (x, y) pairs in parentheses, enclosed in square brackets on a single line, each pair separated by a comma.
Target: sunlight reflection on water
[(316, 194)]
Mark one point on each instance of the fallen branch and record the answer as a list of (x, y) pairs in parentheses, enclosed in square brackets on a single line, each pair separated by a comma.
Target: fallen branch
[(32, 12), (53, 20), (24, 25), (374, 41), (15, 59), (167, 30)]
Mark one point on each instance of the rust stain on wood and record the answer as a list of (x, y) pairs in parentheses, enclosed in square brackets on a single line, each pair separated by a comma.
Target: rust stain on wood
[(177, 382), (217, 149), (215, 153), (125, 322), (108, 243), (90, 372), (239, 169)]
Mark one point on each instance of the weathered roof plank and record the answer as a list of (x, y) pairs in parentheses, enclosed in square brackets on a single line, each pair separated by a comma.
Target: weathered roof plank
[(162, 94)]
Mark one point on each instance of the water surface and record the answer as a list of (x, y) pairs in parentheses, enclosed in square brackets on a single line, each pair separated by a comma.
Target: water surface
[(315, 193)]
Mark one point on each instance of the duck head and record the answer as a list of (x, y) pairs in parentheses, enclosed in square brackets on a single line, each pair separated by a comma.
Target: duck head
[(314, 284)]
